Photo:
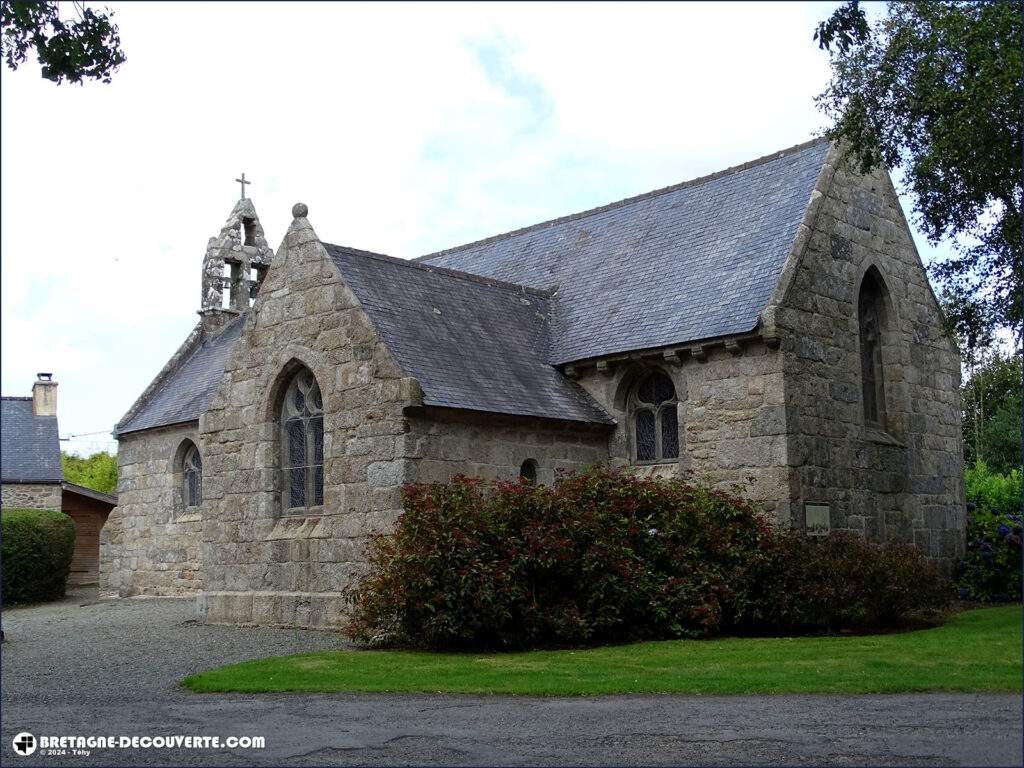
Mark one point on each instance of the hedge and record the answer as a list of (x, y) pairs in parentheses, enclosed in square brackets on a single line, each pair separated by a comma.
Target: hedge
[(36, 546)]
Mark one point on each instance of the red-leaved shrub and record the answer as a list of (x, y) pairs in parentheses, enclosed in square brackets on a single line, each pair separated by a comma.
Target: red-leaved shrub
[(799, 584), (604, 557), (600, 557)]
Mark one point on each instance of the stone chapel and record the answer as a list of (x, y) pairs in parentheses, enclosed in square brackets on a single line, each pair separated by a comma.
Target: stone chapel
[(771, 325)]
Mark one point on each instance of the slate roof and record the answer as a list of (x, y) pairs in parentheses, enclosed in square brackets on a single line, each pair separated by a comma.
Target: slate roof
[(694, 261), (185, 392), (29, 444), (691, 262), (471, 343)]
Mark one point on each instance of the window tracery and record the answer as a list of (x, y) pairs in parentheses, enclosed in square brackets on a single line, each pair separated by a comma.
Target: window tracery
[(655, 419), (302, 444)]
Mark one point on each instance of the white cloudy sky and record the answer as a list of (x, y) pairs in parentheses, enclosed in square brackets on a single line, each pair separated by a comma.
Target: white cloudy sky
[(406, 129)]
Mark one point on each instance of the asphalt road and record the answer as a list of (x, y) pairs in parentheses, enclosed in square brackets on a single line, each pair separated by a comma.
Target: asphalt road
[(97, 668)]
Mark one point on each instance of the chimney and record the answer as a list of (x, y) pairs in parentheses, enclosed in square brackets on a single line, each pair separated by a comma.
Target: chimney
[(44, 395)]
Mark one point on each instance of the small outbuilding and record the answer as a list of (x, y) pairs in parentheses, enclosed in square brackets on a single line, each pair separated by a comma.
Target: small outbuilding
[(31, 475)]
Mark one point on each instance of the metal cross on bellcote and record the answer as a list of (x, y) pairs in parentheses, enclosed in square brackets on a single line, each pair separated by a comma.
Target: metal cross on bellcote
[(243, 182)]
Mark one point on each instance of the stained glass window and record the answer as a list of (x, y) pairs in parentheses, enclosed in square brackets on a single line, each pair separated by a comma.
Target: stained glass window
[(655, 419), (646, 436), (302, 439)]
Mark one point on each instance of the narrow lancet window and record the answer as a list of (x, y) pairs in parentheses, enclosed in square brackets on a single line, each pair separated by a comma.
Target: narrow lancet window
[(871, 316), (302, 441), (192, 478)]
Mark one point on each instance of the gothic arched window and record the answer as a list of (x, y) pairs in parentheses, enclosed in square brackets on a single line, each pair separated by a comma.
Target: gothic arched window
[(871, 319), (302, 444), (192, 477), (654, 419)]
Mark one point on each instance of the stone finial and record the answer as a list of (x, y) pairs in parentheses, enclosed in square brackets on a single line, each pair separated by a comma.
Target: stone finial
[(299, 211)]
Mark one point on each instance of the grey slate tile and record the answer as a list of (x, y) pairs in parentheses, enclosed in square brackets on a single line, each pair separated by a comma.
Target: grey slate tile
[(690, 262), (186, 392), (29, 444), (471, 343), (686, 263)]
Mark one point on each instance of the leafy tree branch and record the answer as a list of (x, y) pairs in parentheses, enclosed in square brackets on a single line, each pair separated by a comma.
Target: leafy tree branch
[(98, 471), (934, 89), (85, 47)]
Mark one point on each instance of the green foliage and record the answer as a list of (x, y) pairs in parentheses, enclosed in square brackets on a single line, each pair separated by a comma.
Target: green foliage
[(98, 471), (992, 490), (601, 557), (86, 47), (846, 28), (993, 402), (36, 546), (991, 569), (608, 557), (935, 88), (801, 584)]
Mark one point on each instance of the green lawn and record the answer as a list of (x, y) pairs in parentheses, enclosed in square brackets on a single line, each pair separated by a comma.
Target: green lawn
[(978, 650)]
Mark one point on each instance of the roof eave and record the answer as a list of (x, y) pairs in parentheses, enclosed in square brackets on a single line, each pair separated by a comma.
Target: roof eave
[(677, 352), (90, 493), (607, 421)]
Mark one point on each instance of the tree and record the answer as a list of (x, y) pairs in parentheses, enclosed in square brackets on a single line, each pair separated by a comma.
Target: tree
[(85, 47), (993, 404), (934, 89), (98, 471)]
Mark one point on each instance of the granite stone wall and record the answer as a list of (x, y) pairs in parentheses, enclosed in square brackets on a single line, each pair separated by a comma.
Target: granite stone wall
[(265, 563), (150, 544), (730, 404), (31, 496), (902, 481), (443, 442)]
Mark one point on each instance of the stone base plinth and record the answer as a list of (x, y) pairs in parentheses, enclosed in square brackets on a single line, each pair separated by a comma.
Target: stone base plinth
[(271, 609)]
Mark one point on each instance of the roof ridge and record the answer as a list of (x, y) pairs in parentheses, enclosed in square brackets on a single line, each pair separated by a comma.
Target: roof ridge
[(15, 397), (636, 198), (417, 264)]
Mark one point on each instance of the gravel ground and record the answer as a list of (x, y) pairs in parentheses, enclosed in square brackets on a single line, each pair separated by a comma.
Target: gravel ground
[(82, 640), (90, 667)]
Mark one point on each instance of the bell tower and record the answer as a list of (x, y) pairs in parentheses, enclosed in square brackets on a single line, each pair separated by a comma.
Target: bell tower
[(234, 266)]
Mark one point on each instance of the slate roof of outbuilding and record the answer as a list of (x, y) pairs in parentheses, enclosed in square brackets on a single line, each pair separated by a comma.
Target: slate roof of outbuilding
[(471, 342), (695, 261), (29, 444), (185, 392)]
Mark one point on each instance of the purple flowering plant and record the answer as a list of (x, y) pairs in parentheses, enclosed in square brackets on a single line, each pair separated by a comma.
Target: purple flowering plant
[(991, 570)]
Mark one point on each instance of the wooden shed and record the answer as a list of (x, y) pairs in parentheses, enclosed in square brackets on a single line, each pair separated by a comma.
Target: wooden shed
[(89, 509)]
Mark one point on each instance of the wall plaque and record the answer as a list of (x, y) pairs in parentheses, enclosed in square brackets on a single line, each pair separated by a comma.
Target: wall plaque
[(818, 522)]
